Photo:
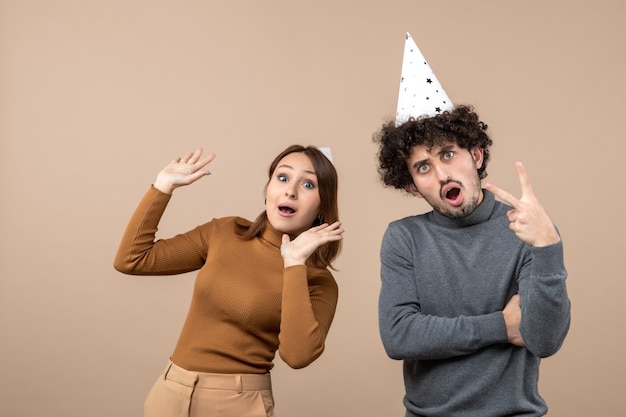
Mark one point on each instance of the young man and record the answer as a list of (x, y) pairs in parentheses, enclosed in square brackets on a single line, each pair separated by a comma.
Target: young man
[(473, 292)]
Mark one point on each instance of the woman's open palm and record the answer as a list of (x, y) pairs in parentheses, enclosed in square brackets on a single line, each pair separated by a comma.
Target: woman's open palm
[(298, 250), (182, 171)]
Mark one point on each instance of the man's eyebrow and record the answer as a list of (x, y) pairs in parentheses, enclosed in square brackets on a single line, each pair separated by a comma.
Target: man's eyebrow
[(419, 163), (443, 149)]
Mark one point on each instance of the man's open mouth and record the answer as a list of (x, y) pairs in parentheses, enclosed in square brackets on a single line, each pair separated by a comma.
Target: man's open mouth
[(453, 193)]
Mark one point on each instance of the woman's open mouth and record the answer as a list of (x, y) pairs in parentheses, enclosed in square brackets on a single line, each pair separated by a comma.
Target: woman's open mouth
[(286, 210)]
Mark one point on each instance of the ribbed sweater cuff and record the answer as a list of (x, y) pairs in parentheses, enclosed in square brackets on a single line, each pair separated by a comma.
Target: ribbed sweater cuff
[(158, 193), (548, 260), (295, 270), (491, 328)]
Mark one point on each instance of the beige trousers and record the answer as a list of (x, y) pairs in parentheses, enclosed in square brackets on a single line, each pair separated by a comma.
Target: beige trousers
[(181, 393)]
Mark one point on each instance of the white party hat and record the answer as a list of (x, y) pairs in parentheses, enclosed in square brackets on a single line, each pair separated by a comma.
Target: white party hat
[(326, 151), (420, 92)]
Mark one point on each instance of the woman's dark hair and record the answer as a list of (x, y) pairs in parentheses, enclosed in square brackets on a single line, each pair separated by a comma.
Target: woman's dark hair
[(460, 125), (327, 182)]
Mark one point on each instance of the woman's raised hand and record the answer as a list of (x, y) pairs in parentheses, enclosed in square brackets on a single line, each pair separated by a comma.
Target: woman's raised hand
[(297, 251), (182, 171)]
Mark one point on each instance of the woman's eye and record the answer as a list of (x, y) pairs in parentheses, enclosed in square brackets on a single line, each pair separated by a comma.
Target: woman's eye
[(282, 178), (309, 185)]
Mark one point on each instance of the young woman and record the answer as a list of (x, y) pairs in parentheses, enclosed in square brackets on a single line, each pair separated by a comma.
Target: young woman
[(261, 286)]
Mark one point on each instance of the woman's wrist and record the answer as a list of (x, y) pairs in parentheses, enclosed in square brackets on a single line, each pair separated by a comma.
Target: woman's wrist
[(292, 262), (163, 186)]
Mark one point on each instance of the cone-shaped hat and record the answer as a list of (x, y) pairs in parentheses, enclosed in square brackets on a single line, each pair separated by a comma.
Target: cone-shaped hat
[(420, 92)]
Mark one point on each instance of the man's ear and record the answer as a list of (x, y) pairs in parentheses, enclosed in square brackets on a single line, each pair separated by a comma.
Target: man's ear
[(478, 155), (412, 189)]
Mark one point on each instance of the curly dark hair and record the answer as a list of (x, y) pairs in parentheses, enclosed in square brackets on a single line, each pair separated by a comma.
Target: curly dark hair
[(460, 125)]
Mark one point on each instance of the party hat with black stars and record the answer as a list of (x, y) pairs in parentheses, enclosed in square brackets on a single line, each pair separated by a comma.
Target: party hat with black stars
[(420, 92)]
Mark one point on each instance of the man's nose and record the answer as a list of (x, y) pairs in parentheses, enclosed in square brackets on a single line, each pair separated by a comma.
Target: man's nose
[(442, 172)]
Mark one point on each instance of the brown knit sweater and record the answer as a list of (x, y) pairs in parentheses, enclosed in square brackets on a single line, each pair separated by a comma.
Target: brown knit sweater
[(245, 303)]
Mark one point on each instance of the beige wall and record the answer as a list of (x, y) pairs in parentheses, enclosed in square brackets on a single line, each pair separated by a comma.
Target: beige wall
[(96, 96)]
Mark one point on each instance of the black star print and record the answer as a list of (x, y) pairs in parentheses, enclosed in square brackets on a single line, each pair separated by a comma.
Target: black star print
[(429, 81), (438, 109)]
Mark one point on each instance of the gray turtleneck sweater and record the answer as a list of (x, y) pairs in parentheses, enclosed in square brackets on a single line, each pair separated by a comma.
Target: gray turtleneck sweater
[(444, 284)]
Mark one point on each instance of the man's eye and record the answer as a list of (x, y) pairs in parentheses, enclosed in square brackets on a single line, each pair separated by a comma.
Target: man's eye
[(448, 155), (422, 168)]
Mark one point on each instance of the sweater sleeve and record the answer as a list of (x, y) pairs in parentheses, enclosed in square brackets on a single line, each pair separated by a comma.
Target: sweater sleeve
[(308, 308), (544, 301), (140, 254), (407, 332)]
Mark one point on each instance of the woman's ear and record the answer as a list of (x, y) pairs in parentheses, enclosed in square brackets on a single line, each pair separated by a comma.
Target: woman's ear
[(412, 189)]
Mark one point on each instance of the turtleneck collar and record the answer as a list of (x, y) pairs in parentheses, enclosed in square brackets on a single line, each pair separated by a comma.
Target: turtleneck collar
[(272, 236), (479, 215)]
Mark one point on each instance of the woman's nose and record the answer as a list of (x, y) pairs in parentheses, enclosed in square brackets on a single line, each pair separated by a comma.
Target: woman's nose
[(290, 192)]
